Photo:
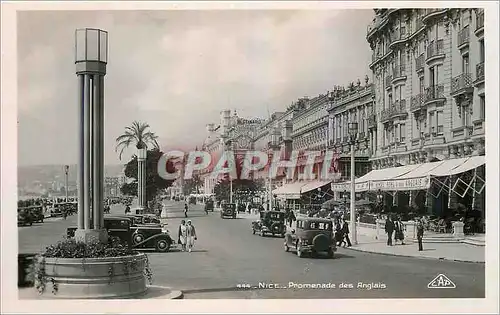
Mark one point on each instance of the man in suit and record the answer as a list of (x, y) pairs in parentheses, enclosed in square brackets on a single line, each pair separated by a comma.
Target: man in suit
[(389, 229), (420, 234)]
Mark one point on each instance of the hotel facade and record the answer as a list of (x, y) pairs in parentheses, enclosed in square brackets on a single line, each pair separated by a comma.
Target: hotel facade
[(427, 127)]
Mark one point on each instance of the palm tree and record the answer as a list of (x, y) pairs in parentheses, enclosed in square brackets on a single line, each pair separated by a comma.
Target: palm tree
[(138, 133)]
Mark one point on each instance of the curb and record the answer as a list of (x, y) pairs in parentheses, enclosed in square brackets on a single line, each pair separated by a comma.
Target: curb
[(168, 295), (418, 257)]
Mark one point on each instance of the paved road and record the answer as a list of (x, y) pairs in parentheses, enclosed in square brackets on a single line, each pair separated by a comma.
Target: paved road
[(227, 255)]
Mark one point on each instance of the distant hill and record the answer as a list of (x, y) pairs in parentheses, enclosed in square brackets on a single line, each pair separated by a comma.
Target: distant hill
[(45, 173)]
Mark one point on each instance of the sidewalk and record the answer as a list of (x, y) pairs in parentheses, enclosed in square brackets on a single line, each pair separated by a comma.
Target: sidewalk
[(367, 242)]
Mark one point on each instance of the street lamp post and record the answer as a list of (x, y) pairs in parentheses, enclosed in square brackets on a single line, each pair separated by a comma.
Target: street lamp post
[(353, 132), (141, 178), (91, 57), (66, 169), (273, 145), (231, 182)]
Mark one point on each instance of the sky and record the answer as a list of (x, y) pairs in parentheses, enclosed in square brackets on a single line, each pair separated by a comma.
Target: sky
[(176, 70)]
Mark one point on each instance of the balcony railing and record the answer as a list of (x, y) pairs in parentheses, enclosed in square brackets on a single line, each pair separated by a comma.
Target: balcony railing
[(418, 24), (398, 109), (420, 62), (388, 80), (480, 71), (434, 92), (385, 114), (435, 48), (399, 71), (417, 102), (463, 36), (479, 21), (372, 121), (461, 83), (398, 35), (394, 110), (430, 11)]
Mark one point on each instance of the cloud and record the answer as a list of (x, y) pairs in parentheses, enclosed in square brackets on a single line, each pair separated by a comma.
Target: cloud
[(177, 69)]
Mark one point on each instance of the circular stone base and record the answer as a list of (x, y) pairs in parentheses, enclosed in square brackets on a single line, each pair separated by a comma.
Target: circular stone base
[(152, 292)]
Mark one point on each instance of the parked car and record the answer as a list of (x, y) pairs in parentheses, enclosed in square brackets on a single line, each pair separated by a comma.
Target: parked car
[(228, 210), (137, 236), (138, 219), (270, 222), (24, 217), (311, 236), (37, 214)]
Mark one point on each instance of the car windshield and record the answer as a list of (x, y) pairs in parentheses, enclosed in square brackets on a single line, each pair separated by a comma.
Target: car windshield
[(320, 226)]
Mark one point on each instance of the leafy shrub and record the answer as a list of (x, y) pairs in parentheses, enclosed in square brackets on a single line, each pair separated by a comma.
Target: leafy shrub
[(70, 248)]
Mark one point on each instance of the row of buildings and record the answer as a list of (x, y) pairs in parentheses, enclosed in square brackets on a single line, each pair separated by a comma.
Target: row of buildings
[(420, 118)]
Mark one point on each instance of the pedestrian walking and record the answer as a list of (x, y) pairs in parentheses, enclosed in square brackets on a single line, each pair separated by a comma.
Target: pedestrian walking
[(182, 235), (291, 217), (127, 209), (345, 234), (186, 210), (191, 235), (420, 234), (399, 231), (389, 229)]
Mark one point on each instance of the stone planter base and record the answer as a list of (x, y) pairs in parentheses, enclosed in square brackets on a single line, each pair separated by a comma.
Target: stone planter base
[(94, 278)]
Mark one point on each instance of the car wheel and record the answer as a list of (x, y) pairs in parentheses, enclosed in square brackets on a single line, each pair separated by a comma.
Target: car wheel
[(137, 238), (262, 233), (314, 254), (162, 245), (286, 247), (300, 253)]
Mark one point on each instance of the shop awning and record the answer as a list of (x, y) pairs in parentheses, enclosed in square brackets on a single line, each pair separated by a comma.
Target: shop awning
[(446, 167), (411, 177), (313, 185), (471, 163), (416, 179), (365, 183), (289, 191)]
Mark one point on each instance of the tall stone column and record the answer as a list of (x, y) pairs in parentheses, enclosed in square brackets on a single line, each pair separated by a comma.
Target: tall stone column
[(141, 178), (91, 60)]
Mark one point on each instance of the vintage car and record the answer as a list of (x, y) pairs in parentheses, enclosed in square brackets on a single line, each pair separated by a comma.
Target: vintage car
[(271, 222), (228, 210), (37, 214), (137, 219), (139, 237), (209, 205), (311, 236), (24, 217)]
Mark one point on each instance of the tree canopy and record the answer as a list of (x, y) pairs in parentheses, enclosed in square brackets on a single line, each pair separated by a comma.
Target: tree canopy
[(154, 182)]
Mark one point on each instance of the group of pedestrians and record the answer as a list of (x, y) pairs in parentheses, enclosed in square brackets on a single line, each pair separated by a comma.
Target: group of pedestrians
[(186, 235), (397, 228), (342, 232)]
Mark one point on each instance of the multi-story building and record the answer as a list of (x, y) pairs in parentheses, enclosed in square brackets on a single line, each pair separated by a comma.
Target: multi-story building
[(352, 104), (233, 133), (428, 74)]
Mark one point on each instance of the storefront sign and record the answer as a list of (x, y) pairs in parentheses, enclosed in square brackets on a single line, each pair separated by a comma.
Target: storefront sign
[(420, 183)]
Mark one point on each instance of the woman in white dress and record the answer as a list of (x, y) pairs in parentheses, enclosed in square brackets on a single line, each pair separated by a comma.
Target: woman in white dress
[(182, 235), (191, 235)]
